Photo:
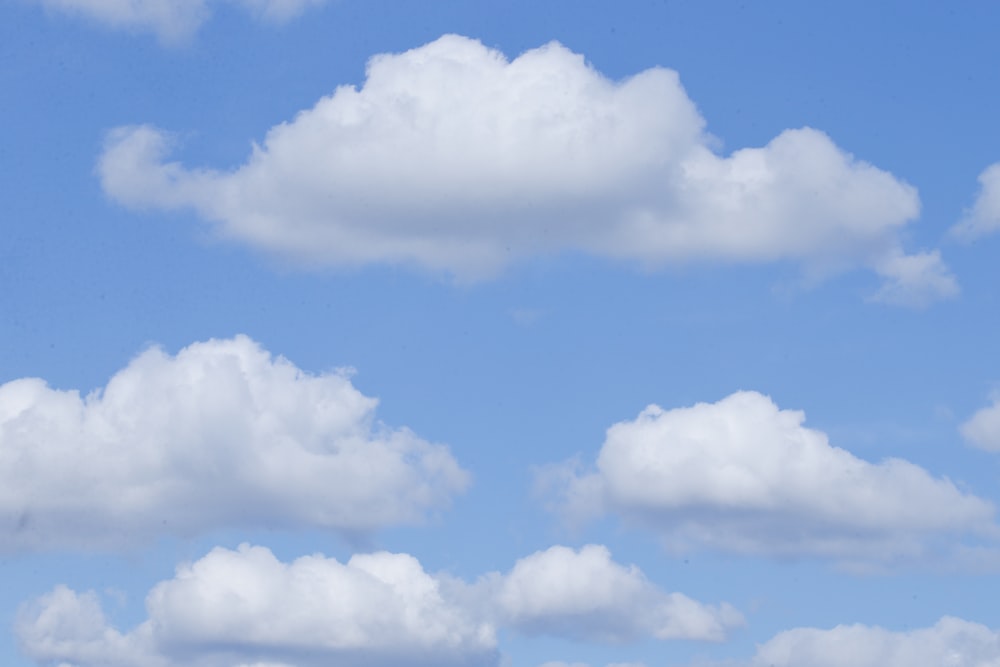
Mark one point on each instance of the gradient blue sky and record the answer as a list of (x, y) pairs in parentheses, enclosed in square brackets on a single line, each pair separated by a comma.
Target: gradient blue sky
[(521, 369)]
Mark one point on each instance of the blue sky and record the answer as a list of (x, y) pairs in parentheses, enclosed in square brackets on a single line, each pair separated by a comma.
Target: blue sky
[(446, 333)]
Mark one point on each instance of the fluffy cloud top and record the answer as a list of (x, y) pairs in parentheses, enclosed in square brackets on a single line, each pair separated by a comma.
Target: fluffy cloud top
[(450, 157), (983, 428), (222, 434), (585, 595), (246, 607), (984, 216), (171, 20), (743, 475), (952, 642)]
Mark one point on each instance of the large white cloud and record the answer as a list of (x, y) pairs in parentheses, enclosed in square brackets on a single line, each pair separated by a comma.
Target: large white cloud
[(247, 607), (171, 20), (983, 428), (451, 157), (951, 642), (984, 216), (222, 434), (587, 596), (744, 476)]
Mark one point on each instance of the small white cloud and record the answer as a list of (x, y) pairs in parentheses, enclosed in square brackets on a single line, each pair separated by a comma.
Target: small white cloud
[(914, 281), (453, 158), (984, 216), (246, 607), (171, 21), (526, 317), (983, 428), (222, 434), (64, 625), (278, 11), (952, 642), (585, 595), (741, 475)]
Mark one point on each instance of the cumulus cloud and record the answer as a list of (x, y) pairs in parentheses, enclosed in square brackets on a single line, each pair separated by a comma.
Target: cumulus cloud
[(743, 475), (453, 158), (171, 20), (984, 216), (585, 595), (952, 642), (245, 607), (222, 434), (983, 428)]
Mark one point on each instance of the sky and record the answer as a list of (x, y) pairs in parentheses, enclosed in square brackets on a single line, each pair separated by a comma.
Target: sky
[(350, 333)]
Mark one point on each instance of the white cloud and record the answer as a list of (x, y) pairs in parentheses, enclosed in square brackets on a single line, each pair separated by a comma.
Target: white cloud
[(914, 280), (222, 434), (952, 642), (743, 476), (64, 625), (584, 595), (984, 216), (171, 20), (452, 158), (246, 607), (983, 428)]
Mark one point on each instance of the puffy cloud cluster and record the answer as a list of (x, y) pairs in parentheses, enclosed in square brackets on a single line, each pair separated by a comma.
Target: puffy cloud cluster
[(247, 607), (744, 476), (453, 158), (983, 428), (171, 20), (952, 642), (984, 216), (220, 435)]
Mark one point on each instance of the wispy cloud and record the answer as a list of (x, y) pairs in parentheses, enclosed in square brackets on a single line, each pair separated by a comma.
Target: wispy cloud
[(172, 21)]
